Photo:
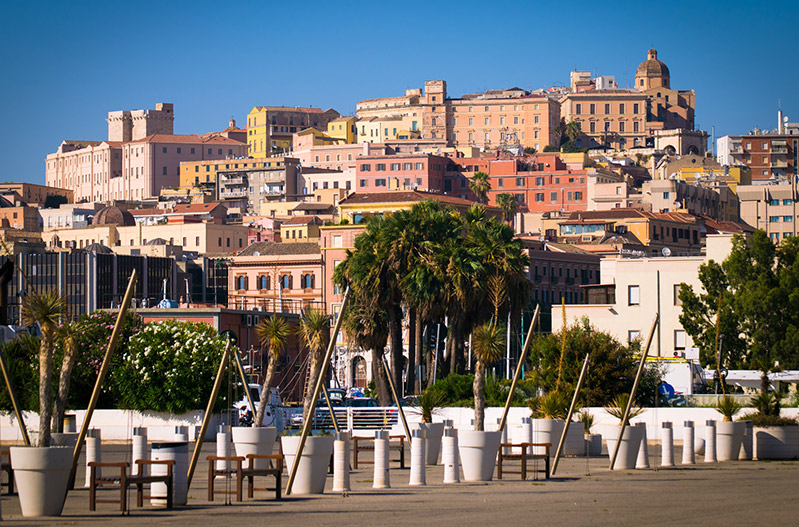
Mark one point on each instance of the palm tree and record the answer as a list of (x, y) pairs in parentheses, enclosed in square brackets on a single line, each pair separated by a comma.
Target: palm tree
[(488, 344), (67, 334), (573, 130), (508, 204), (315, 333), (272, 332), (45, 309), (480, 186)]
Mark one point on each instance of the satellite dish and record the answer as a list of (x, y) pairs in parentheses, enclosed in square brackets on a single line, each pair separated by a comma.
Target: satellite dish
[(666, 252), (256, 253)]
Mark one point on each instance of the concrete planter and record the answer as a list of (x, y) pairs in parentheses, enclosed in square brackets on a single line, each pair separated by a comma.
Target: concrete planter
[(259, 440), (547, 431), (729, 438), (575, 440), (42, 475), (433, 434), (594, 442), (628, 450), (774, 442), (312, 470), (478, 453)]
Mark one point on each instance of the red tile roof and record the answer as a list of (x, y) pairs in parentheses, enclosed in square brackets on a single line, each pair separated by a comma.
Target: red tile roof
[(186, 139), (403, 196), (196, 208), (303, 220)]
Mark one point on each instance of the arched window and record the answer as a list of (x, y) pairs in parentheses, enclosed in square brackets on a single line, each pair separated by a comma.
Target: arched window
[(263, 282), (286, 282), (241, 282)]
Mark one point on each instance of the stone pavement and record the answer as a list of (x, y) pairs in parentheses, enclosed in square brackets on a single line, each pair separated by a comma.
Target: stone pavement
[(583, 493)]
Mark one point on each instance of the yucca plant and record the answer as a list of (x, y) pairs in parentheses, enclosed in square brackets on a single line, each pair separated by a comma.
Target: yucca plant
[(553, 405), (585, 417), (273, 333), (428, 401), (45, 308), (728, 407), (619, 404)]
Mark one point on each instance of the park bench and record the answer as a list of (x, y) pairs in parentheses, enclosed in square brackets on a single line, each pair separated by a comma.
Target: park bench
[(359, 446), (240, 473), (124, 481), (508, 452)]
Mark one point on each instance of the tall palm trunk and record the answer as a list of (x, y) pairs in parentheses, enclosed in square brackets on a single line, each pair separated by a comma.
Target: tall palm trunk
[(479, 396), (265, 389), (45, 387), (64, 379), (395, 337), (316, 365), (410, 377), (421, 349), (380, 377)]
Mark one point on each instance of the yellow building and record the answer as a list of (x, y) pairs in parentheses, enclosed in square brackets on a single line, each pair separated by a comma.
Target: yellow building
[(389, 128), (343, 128), (732, 176), (300, 229), (270, 128), (195, 173)]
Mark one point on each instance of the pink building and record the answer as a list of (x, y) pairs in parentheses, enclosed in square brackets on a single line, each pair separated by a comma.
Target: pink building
[(425, 172), (307, 148)]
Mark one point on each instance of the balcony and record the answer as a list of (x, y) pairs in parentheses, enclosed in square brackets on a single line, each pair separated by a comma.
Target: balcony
[(779, 149), (779, 163)]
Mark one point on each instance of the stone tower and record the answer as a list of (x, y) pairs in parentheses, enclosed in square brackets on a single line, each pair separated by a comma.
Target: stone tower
[(435, 110), (136, 124)]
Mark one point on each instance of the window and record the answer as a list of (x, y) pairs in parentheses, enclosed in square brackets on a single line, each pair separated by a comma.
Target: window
[(380, 182), (607, 109), (592, 108), (786, 219), (539, 197), (381, 167), (241, 282), (774, 219), (635, 107), (592, 127), (515, 120), (178, 150), (502, 121), (535, 119), (419, 166), (633, 335), (364, 168), (486, 121), (635, 126), (337, 240), (471, 121), (633, 295), (621, 126), (307, 281), (774, 202), (286, 282), (196, 241), (263, 282), (500, 182), (677, 301), (553, 197), (679, 339), (395, 166), (519, 181), (164, 150), (607, 126), (787, 202), (407, 166), (578, 109), (621, 108)]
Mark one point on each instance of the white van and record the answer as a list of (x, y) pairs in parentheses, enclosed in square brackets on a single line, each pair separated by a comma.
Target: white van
[(270, 417)]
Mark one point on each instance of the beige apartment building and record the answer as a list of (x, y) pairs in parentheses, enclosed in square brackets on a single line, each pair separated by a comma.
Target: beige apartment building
[(613, 118), (317, 150), (130, 165), (771, 208), (33, 194), (491, 120), (270, 128)]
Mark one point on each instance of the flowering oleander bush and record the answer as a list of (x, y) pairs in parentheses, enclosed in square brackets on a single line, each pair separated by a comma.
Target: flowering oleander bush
[(92, 333), (169, 367)]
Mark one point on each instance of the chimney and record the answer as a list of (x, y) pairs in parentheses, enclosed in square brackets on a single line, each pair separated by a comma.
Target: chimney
[(779, 122)]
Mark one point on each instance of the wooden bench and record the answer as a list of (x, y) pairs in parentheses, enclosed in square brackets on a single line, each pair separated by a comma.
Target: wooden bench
[(524, 456), (6, 467), (241, 473), (124, 481), (356, 448)]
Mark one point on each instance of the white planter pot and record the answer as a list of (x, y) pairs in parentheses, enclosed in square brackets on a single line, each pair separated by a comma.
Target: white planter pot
[(42, 475), (547, 431), (575, 440), (772, 442), (594, 442), (478, 453), (259, 440), (433, 433), (312, 470), (65, 439), (628, 449), (729, 438)]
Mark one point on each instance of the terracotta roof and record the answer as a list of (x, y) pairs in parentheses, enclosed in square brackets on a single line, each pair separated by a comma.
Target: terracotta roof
[(403, 196), (312, 205), (147, 212), (652, 67), (196, 208), (281, 248), (716, 227), (194, 138), (303, 220), (628, 212)]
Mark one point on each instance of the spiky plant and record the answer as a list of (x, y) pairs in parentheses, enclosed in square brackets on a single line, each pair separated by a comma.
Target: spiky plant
[(273, 333), (45, 308), (619, 405), (314, 330), (428, 401), (488, 346), (553, 405), (728, 407), (585, 417)]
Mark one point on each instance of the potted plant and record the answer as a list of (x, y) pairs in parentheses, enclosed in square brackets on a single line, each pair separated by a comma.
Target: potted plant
[(729, 433), (548, 419), (775, 437), (272, 332), (42, 472), (314, 330), (593, 441), (429, 400), (631, 440), (478, 448)]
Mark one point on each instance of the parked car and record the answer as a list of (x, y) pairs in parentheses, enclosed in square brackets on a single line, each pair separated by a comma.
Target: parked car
[(361, 402)]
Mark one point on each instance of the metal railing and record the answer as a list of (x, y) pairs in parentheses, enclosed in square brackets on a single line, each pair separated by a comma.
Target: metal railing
[(353, 418)]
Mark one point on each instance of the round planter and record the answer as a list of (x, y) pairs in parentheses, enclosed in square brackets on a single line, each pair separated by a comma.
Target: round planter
[(628, 449), (312, 470), (729, 438), (42, 475), (547, 431), (773, 442), (594, 444), (65, 439), (259, 440), (478, 453), (575, 440), (177, 451), (433, 433), (522, 433)]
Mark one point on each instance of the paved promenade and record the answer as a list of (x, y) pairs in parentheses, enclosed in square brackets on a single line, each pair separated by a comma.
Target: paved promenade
[(583, 493)]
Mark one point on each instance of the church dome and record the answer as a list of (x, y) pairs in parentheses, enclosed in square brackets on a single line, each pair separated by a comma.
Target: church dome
[(113, 216), (652, 67)]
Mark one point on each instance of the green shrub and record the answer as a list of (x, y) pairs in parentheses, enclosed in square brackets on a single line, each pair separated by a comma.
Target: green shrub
[(457, 390), (759, 419), (21, 357), (170, 367)]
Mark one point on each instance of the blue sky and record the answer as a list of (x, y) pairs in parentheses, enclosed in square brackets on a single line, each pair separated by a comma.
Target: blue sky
[(67, 64)]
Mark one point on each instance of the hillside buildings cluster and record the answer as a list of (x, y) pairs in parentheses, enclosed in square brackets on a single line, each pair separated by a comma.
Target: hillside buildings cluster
[(611, 184)]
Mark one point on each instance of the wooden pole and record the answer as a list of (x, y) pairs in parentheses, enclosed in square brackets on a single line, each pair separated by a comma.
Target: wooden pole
[(623, 423), (112, 344), (25, 439), (209, 409), (397, 402), (245, 380), (519, 366), (306, 423), (569, 416), (330, 408)]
